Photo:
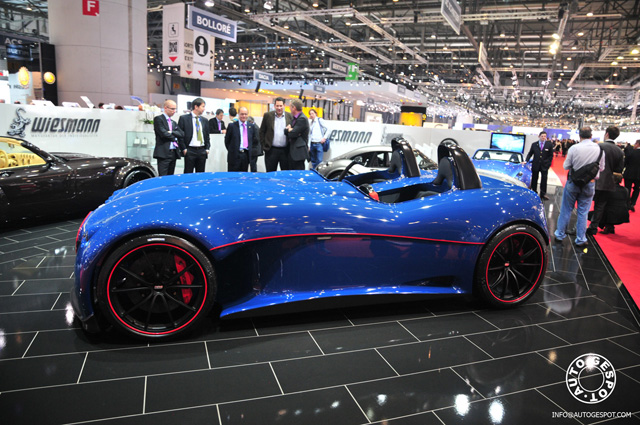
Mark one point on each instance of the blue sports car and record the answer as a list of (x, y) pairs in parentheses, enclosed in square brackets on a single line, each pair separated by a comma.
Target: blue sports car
[(503, 162), (154, 259)]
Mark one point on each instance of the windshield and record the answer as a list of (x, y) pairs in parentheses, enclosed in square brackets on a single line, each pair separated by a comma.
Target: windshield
[(486, 154)]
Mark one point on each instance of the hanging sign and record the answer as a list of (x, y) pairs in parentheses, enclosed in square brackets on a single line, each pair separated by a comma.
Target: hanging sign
[(263, 77), (90, 7), (352, 73), (452, 13), (173, 34), (340, 68), (217, 26)]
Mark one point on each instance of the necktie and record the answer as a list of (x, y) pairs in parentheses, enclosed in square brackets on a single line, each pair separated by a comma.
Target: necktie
[(199, 130), (219, 126), (541, 145), (245, 137), (173, 144)]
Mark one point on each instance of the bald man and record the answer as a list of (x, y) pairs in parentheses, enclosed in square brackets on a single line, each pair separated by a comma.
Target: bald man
[(241, 139), (167, 132)]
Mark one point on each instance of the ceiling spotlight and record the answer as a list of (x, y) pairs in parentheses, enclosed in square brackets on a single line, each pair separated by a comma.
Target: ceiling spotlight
[(555, 36), (268, 5), (209, 3), (315, 4), (247, 10)]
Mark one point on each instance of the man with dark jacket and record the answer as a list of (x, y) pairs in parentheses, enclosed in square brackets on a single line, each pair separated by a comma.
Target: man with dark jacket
[(273, 139), (632, 173), (605, 185), (195, 142), (216, 125), (297, 137), (167, 132), (542, 153), (240, 140)]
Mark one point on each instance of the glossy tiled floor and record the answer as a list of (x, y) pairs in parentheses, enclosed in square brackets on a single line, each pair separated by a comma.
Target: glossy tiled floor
[(426, 362)]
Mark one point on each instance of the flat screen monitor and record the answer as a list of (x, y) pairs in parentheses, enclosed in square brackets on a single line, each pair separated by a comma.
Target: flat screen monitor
[(508, 142)]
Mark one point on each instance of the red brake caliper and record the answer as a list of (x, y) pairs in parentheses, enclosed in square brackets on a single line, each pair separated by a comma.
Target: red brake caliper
[(185, 279)]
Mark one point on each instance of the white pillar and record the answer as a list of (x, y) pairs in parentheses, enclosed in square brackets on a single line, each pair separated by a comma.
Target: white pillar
[(103, 57)]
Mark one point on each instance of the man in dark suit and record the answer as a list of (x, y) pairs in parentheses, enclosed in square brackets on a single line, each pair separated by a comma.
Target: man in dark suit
[(216, 125), (167, 132), (632, 173), (542, 153), (241, 141), (297, 137), (605, 185), (272, 138), (195, 142)]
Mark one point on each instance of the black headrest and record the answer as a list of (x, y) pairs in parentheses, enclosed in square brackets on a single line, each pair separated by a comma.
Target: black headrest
[(403, 159)]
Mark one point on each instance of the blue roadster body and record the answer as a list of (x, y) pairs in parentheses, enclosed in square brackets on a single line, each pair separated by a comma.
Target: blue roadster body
[(155, 257), (503, 162)]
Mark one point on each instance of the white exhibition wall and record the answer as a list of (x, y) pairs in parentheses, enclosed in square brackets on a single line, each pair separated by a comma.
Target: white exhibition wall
[(124, 133)]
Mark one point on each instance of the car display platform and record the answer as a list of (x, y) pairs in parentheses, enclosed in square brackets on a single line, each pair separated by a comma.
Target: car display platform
[(445, 360)]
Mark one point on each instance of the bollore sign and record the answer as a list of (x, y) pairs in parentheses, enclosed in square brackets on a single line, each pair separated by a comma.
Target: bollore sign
[(217, 26)]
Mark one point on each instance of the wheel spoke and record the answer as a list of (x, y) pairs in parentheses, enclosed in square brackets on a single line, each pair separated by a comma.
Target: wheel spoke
[(177, 276), (515, 288), (180, 302), (528, 254), (166, 306), (149, 311), (138, 288), (500, 279), (506, 284), (180, 286), (135, 276), (137, 306)]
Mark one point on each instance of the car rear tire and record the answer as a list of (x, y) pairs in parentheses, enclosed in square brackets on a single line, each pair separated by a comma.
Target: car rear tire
[(135, 176), (511, 266), (156, 287)]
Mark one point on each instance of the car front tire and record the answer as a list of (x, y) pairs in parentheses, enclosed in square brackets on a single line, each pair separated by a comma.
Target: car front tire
[(135, 176), (511, 266), (156, 287)]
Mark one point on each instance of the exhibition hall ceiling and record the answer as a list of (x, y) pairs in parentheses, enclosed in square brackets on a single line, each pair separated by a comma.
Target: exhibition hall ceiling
[(544, 60)]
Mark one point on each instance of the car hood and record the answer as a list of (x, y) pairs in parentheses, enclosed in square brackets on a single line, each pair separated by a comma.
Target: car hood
[(72, 155)]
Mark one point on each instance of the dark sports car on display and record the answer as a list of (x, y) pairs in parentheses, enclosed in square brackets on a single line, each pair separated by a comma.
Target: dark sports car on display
[(368, 158), (154, 259), (504, 162), (35, 183)]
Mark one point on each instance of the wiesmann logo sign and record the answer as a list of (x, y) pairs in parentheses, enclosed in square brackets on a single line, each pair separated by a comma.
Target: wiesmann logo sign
[(52, 126)]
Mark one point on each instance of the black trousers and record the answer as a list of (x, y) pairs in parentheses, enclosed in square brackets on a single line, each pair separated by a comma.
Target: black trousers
[(167, 166), (196, 158), (296, 165), (635, 184), (600, 200), (242, 164), (543, 180), (276, 156)]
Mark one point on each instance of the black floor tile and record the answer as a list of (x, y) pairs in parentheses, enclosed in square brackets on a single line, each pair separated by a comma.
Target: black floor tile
[(580, 307), (13, 304), (132, 362), (36, 372), (527, 314), (73, 403), (510, 374), (566, 291), (322, 407), (360, 337), (332, 370), (10, 286), (524, 408), (45, 286), (623, 398), (190, 389), (617, 355), (407, 395), (446, 326), (428, 418), (270, 325), (77, 341), (207, 415), (240, 351), (430, 355), (36, 321), (630, 342), (15, 345), (387, 313), (585, 329), (515, 341)]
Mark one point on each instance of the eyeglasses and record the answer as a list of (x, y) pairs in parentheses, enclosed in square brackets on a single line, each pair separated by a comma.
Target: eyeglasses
[(172, 109)]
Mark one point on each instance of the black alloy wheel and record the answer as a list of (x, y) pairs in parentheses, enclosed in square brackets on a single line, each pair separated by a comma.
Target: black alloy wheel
[(511, 266), (135, 176), (156, 286)]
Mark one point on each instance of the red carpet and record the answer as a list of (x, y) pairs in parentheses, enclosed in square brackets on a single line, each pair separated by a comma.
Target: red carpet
[(622, 249)]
